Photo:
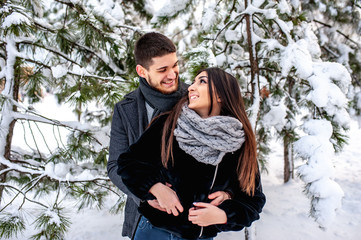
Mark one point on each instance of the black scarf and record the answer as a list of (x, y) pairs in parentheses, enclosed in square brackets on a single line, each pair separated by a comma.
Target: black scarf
[(159, 101)]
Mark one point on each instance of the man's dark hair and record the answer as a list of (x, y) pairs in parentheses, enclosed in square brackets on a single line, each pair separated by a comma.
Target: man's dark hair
[(152, 45)]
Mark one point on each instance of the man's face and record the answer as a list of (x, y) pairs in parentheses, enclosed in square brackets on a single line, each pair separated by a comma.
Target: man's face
[(162, 74)]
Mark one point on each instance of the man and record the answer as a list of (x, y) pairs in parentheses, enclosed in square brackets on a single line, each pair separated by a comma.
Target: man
[(159, 89)]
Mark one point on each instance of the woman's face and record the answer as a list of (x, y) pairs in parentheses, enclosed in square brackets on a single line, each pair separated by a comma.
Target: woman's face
[(199, 97)]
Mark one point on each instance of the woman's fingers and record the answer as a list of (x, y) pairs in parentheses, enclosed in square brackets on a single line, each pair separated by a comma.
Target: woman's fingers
[(205, 214), (218, 197)]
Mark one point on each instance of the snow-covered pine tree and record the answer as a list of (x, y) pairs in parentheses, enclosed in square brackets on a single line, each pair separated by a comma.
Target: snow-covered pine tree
[(80, 51), (271, 47)]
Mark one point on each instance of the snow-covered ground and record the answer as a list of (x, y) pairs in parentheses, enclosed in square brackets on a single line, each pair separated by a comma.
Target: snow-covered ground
[(285, 216)]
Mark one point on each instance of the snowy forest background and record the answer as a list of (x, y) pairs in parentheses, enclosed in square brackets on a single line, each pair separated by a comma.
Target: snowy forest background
[(298, 64)]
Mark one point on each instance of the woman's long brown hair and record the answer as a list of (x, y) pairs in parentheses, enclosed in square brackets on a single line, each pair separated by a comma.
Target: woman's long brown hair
[(228, 90)]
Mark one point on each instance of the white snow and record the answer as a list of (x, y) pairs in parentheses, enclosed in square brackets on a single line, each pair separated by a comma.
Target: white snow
[(231, 35), (59, 71), (15, 18), (276, 117), (54, 217), (61, 169), (209, 17), (169, 8), (318, 172)]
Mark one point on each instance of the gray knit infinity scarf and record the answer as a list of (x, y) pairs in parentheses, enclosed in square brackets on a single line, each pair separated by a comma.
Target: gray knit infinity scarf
[(208, 139)]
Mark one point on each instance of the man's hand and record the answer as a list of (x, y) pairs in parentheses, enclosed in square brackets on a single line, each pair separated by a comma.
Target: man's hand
[(167, 198), (218, 197), (205, 214), (155, 204)]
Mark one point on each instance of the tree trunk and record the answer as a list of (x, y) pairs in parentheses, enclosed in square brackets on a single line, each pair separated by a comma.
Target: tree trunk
[(10, 127), (255, 108), (250, 233), (288, 159), (287, 140), (9, 138)]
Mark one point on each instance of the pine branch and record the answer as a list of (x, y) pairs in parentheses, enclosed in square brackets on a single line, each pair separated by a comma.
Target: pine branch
[(37, 180), (52, 50), (42, 119), (52, 224), (263, 24), (338, 31), (330, 51), (99, 55), (268, 69), (11, 224), (22, 169), (19, 192), (106, 187), (82, 10), (220, 31), (105, 79)]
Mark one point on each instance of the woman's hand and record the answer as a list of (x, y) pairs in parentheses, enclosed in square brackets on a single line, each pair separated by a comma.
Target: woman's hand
[(167, 198), (205, 214), (218, 197)]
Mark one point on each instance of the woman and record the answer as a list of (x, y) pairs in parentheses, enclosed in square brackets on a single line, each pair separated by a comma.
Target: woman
[(193, 158)]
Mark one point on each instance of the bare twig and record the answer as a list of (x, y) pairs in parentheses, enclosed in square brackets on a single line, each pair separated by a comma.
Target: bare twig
[(36, 124), (32, 134)]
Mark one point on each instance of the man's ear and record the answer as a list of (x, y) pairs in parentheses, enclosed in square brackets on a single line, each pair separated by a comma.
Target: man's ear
[(141, 70)]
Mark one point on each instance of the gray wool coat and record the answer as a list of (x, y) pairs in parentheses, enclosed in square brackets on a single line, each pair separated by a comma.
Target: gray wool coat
[(129, 122)]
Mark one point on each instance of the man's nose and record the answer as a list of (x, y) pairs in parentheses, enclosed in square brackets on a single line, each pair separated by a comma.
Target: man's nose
[(171, 74)]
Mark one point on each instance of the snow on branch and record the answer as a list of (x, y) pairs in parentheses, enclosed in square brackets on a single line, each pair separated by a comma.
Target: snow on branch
[(52, 171), (170, 9), (47, 48), (329, 84), (270, 14), (329, 81), (318, 172), (15, 18)]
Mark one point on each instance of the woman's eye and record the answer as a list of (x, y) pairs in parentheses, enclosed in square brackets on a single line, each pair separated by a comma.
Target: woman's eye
[(203, 81)]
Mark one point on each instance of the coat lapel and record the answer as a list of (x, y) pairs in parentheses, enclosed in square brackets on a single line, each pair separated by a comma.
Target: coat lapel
[(134, 114)]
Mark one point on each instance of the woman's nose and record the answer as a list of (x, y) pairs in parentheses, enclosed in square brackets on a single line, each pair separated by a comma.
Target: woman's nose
[(191, 88)]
